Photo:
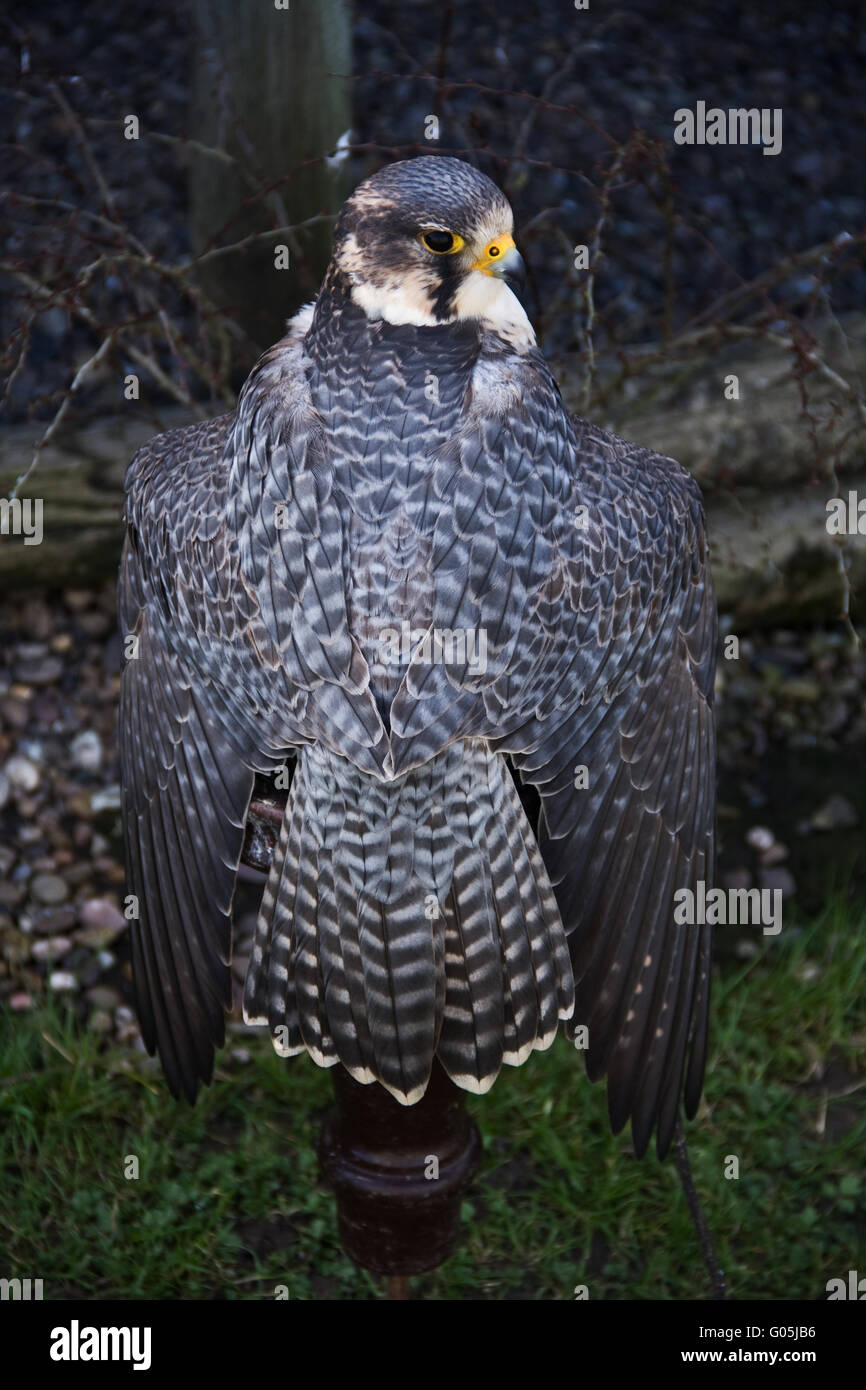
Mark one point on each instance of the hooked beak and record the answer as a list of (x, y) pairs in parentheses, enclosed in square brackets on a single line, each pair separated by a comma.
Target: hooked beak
[(502, 259)]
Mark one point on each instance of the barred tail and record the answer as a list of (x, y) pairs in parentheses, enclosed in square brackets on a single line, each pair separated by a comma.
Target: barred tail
[(407, 919)]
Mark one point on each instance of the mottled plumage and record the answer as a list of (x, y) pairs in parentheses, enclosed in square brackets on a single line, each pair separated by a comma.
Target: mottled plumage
[(402, 464)]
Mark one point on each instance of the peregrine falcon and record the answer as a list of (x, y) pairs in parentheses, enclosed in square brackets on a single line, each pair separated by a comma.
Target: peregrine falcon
[(404, 564)]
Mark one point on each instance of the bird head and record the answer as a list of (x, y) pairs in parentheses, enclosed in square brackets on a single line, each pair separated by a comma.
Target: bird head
[(430, 241)]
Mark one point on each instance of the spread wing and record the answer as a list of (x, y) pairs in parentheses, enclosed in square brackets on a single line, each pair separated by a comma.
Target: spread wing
[(185, 792), (232, 586), (583, 560)]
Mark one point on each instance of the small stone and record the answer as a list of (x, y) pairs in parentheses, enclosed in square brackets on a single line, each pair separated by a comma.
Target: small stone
[(15, 713), (45, 709), (19, 1003), (53, 921), (746, 950), (104, 997), (77, 599), (7, 859), (760, 838), (94, 624), (5, 789), (49, 889), (802, 690), (44, 670), (774, 855), (777, 879), (78, 873), (51, 948), (837, 813), (45, 864), (61, 642), (241, 1054), (99, 1021), (87, 751), (78, 959), (62, 981), (23, 774), (16, 945), (123, 1016), (99, 912), (11, 894), (97, 938), (106, 800)]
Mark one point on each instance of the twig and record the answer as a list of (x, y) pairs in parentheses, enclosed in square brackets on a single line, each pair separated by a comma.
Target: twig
[(51, 430)]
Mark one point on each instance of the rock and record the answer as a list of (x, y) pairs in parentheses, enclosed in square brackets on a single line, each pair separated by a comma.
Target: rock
[(51, 948), (102, 914), (837, 813), (16, 945), (45, 670), (802, 690), (87, 751), (11, 894), (77, 599), (78, 873), (49, 889), (97, 938), (62, 981), (777, 878), (15, 713), (5, 789), (94, 624), (78, 959), (7, 859), (760, 838), (104, 997), (808, 970), (45, 709), (99, 1021), (23, 774), (106, 800), (774, 855), (52, 921), (746, 949), (19, 1003)]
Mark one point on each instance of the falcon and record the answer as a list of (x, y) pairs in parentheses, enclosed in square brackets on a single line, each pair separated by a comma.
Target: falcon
[(404, 568)]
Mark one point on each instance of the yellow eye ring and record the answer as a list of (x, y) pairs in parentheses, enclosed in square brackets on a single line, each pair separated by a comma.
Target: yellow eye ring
[(440, 242)]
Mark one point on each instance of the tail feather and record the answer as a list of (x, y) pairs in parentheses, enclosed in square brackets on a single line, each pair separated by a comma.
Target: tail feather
[(407, 919)]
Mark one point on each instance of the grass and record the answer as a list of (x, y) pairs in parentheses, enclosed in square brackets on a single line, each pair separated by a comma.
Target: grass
[(227, 1202)]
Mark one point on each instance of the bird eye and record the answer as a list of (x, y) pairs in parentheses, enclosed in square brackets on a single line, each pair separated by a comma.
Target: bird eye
[(441, 242)]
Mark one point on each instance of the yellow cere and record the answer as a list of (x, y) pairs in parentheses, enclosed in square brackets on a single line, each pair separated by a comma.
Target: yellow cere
[(493, 252)]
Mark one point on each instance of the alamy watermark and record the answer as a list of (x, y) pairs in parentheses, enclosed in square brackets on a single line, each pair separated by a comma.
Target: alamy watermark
[(729, 907), (458, 646), (737, 126), (22, 517)]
